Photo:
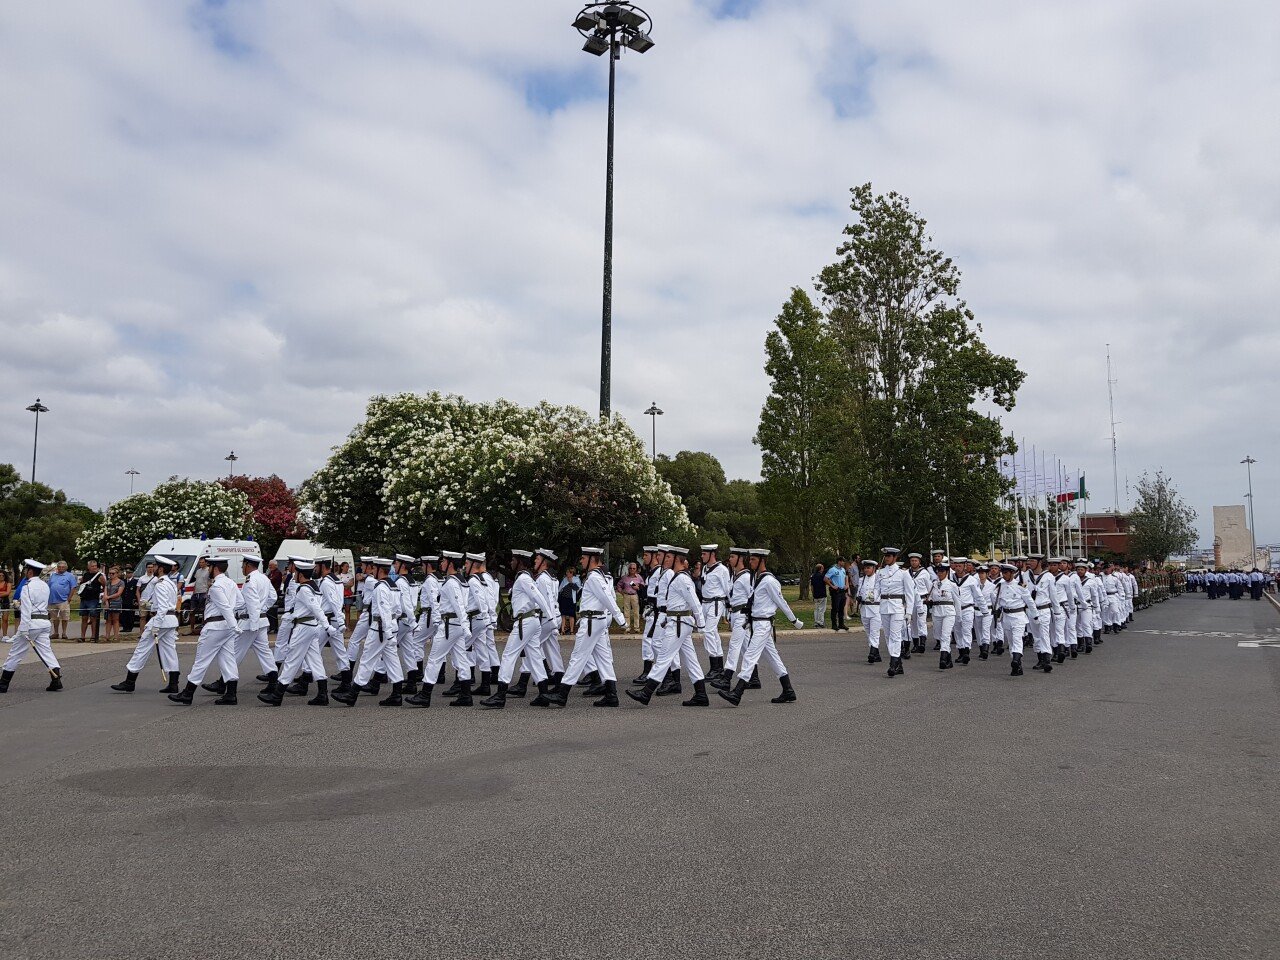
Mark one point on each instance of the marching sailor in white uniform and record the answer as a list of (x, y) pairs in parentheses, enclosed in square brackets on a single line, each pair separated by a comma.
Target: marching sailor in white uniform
[(766, 602), (161, 631), (33, 630)]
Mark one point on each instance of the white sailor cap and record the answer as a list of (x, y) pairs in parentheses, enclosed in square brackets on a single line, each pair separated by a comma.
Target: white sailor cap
[(1057, 559), (662, 548), (247, 558), (1018, 559), (937, 550), (740, 551), (916, 555), (943, 564), (546, 554), (450, 555), (1009, 567), (648, 549), (34, 564), (679, 551), (365, 559), (167, 561), (429, 558), (591, 552), (211, 560), (961, 560), (405, 558), (476, 557), (527, 554), (983, 567), (710, 547), (895, 550), (380, 561), (327, 561), (758, 552), (292, 559), (1082, 563), (869, 562), (306, 566), (1035, 556)]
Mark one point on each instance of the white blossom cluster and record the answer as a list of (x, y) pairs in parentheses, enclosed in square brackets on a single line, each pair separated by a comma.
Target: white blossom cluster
[(177, 508), (439, 468)]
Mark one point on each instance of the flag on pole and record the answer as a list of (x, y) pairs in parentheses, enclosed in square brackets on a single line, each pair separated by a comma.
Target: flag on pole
[(1077, 494)]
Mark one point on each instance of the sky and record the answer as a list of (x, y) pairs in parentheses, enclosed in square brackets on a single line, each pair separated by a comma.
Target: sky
[(225, 224)]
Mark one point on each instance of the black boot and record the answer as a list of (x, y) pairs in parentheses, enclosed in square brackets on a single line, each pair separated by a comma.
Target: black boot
[(128, 683), (228, 698), (396, 697), (645, 693), (595, 690), (218, 686), (873, 655), (299, 687), (644, 674), (734, 696), (349, 696), (272, 694), (944, 660), (788, 694), (374, 686), (717, 665), (722, 682), (5, 677), (895, 665), (1046, 663), (422, 698), (998, 648), (1016, 668), (520, 688), (498, 700), (904, 651), (1075, 651), (937, 645), (454, 688), (558, 695), (321, 699), (610, 698), (186, 696), (172, 686), (411, 681), (55, 680), (344, 682), (699, 698), (963, 656), (543, 699), (555, 678), (1088, 644), (670, 684), (463, 699), (984, 651), (754, 682), (590, 680), (1097, 638), (487, 679)]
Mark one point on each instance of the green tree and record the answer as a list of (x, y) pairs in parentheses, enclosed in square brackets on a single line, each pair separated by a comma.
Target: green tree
[(917, 370), (1161, 523), (801, 494), (697, 478), (37, 521)]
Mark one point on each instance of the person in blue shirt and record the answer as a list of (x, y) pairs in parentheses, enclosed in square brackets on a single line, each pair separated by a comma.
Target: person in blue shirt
[(61, 585), (838, 582)]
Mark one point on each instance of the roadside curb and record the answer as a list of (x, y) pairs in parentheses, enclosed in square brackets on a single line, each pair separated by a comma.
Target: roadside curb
[(1272, 600)]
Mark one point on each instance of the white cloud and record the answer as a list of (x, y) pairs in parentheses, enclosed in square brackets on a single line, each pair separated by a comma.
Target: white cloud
[(225, 224)]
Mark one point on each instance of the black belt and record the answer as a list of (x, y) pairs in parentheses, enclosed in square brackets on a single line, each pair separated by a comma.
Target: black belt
[(591, 615), (304, 620), (893, 596), (967, 606), (868, 603), (739, 609), (529, 613), (37, 616), (1043, 606), (213, 619), (1013, 609)]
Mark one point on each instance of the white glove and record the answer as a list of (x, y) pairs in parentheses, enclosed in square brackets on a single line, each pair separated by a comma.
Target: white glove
[(799, 624), (620, 620)]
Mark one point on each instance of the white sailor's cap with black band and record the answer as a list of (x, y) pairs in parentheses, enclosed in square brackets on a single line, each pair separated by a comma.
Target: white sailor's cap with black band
[(247, 558), (916, 555), (450, 555), (758, 552), (592, 552), (894, 550), (214, 560), (405, 558), (527, 554), (429, 558), (327, 561), (33, 564), (306, 566), (679, 551), (381, 561), (662, 548), (167, 561), (648, 549), (710, 547), (547, 554), (961, 560), (1009, 567), (476, 557), (740, 551)]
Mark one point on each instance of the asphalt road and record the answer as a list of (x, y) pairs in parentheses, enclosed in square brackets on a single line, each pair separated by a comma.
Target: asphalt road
[(1125, 806)]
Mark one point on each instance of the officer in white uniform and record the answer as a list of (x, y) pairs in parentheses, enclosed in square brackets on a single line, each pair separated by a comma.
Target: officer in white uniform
[(716, 579), (1084, 605), (1110, 600), (161, 631), (529, 608), (217, 637), (597, 604), (739, 617), (335, 622), (917, 628), (986, 617), (544, 565), (868, 598), (898, 600), (681, 614), (33, 630), (407, 619), (1044, 597), (451, 635), (257, 596), (1012, 606), (944, 601), (425, 627), (309, 634), (766, 601), (285, 630), (382, 643), (648, 614), (970, 607), (364, 588), (478, 626)]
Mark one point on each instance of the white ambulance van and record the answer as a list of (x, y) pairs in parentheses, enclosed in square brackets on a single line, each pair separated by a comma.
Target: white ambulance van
[(309, 550), (187, 553)]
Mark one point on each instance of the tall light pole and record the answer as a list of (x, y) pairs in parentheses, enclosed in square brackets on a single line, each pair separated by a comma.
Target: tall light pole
[(37, 408), (231, 458), (653, 413), (1253, 534), (608, 27), (131, 473)]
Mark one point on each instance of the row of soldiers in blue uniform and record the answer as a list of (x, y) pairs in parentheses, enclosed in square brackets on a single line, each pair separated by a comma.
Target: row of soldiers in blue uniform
[(443, 609), (1230, 583)]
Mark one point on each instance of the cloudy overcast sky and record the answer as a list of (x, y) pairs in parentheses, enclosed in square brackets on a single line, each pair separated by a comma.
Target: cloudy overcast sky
[(223, 225)]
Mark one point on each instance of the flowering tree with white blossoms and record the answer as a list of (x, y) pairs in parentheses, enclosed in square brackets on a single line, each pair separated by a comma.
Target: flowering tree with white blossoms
[(177, 508), (439, 471)]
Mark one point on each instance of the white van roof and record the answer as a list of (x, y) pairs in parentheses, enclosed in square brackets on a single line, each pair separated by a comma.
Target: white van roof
[(310, 550), (195, 547)]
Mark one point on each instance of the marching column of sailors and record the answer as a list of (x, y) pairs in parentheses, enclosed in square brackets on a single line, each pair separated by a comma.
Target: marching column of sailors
[(1229, 583)]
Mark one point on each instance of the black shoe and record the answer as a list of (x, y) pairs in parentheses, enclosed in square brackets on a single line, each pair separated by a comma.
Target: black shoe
[(273, 695), (1016, 668), (218, 686), (644, 674), (128, 684), (55, 680), (894, 664), (5, 677), (349, 696), (610, 698), (344, 682), (645, 693), (298, 688), (453, 690), (411, 681), (228, 698), (463, 699), (699, 698), (904, 652), (1075, 651), (498, 700), (670, 684), (520, 688), (754, 682), (962, 656), (264, 677), (984, 651), (487, 679), (422, 698), (321, 699), (944, 660), (172, 686), (937, 645), (543, 698), (724, 681), (396, 697), (873, 655), (788, 694), (1046, 662), (733, 696), (1088, 646), (186, 696)]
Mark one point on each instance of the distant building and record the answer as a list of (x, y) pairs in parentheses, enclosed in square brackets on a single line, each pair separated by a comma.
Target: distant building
[(1105, 533), (1232, 542)]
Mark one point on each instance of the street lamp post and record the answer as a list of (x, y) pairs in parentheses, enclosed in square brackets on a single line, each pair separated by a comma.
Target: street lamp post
[(1253, 534), (608, 27), (653, 413), (37, 408), (131, 473), (231, 458)]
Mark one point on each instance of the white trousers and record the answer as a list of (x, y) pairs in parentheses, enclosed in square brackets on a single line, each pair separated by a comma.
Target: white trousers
[(1084, 622), (1111, 612), (381, 653), (304, 653), (869, 614), (31, 635), (1040, 625), (1014, 626), (893, 625), (551, 644), (525, 641), (165, 641), (649, 639), (983, 623), (407, 644), (944, 621), (962, 631), (358, 634), (257, 640), (283, 636), (712, 611), (335, 636), (737, 640), (450, 638), (217, 643), (591, 646), (676, 650), (919, 626), (762, 646)]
